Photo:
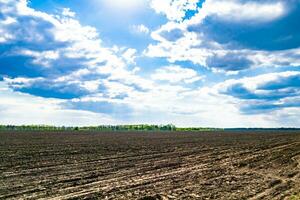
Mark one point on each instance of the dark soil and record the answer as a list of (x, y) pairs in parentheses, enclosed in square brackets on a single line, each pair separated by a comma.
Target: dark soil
[(146, 166)]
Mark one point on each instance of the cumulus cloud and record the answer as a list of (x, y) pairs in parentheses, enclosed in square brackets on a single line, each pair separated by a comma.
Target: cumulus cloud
[(232, 35), (61, 57), (267, 92), (54, 56), (61, 71)]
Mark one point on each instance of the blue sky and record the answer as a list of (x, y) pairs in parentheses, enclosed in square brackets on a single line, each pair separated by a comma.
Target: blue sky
[(217, 63)]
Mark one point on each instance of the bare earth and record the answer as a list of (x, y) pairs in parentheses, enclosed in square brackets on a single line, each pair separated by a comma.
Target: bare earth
[(223, 165)]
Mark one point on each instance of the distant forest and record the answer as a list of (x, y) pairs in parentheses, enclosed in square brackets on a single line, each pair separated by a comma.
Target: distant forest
[(140, 127)]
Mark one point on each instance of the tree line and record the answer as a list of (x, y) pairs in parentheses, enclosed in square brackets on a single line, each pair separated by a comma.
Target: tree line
[(140, 127)]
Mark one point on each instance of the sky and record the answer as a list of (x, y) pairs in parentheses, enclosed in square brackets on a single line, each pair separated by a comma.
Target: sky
[(203, 63)]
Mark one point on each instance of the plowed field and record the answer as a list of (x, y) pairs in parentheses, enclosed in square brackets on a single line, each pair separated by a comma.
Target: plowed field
[(212, 165)]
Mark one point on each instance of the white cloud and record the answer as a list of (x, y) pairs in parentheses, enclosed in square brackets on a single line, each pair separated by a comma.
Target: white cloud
[(249, 11), (73, 50), (140, 29), (176, 74), (186, 107), (41, 58), (15, 108), (20, 82), (238, 11), (191, 47), (173, 9), (273, 94), (68, 13), (252, 83), (109, 74), (196, 45), (130, 55), (183, 49), (231, 10), (60, 29), (91, 86)]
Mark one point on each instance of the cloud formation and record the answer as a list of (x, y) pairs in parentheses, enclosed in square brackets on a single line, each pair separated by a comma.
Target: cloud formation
[(140, 29), (232, 35), (19, 108), (58, 55), (176, 74), (265, 92), (212, 63)]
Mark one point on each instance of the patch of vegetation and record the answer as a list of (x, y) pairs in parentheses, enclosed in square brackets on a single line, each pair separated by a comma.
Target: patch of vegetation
[(295, 197)]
